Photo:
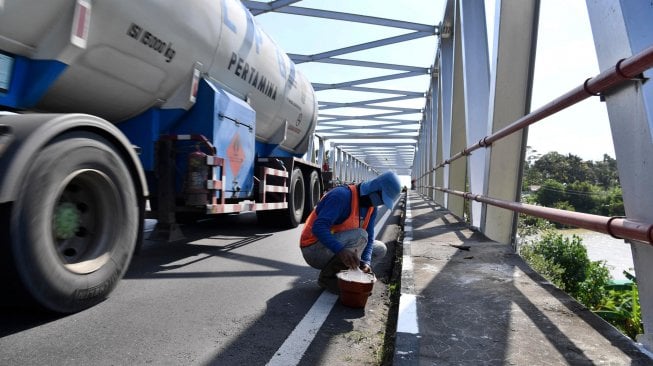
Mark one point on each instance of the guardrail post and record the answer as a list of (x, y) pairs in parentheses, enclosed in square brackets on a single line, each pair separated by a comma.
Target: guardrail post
[(512, 70), (476, 75), (453, 113), (438, 156), (320, 153), (622, 29)]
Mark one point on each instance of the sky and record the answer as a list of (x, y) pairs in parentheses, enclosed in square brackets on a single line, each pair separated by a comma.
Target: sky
[(314, 35), (565, 58)]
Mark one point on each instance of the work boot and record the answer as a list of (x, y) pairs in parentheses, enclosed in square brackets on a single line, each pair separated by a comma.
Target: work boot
[(327, 279)]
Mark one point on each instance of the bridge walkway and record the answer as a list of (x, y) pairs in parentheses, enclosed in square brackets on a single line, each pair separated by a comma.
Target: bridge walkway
[(466, 300)]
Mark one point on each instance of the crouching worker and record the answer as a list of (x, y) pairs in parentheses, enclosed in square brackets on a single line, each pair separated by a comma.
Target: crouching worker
[(339, 233)]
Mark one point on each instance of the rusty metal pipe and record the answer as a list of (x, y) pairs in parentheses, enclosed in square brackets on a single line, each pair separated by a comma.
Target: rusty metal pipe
[(618, 227), (626, 69)]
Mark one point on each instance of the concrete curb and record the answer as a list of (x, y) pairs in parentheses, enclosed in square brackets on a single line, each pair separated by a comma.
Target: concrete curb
[(407, 333)]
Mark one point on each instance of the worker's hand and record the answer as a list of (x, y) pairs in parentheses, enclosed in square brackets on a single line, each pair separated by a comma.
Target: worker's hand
[(365, 267), (349, 258)]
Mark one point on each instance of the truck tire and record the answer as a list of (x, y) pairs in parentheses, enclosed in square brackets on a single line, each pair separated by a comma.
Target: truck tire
[(313, 193), (296, 198), (75, 225)]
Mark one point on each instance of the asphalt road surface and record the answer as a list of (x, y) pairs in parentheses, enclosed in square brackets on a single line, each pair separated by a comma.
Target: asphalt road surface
[(230, 295)]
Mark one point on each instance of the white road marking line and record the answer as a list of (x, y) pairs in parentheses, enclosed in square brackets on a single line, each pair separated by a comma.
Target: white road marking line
[(407, 317), (293, 348)]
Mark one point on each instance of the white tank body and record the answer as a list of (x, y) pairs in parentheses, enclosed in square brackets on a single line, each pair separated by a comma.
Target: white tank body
[(136, 55)]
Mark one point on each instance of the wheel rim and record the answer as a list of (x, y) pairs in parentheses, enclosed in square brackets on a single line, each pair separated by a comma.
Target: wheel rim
[(83, 220)]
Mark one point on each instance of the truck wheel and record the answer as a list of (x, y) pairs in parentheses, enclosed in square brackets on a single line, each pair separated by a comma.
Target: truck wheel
[(313, 193), (75, 225), (296, 198)]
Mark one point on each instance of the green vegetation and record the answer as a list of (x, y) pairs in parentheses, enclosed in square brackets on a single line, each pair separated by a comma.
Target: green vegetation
[(529, 226), (393, 289), (564, 262), (620, 307), (569, 183)]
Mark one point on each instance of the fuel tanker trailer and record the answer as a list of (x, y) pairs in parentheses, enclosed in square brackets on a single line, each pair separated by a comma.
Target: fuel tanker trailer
[(114, 111)]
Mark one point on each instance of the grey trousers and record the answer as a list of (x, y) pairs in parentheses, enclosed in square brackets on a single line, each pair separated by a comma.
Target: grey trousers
[(318, 255)]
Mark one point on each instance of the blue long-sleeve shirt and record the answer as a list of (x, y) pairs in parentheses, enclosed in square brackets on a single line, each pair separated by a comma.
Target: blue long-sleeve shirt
[(333, 209)]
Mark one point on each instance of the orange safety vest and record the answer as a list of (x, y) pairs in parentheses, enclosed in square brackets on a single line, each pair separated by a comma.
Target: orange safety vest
[(351, 222)]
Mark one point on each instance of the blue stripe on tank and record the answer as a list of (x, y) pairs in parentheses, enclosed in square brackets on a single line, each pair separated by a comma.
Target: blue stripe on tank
[(30, 80)]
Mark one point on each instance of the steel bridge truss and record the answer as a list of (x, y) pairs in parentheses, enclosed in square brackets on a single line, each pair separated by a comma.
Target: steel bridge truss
[(369, 129)]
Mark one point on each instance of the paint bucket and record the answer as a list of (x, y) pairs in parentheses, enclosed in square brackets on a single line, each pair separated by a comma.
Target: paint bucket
[(355, 287)]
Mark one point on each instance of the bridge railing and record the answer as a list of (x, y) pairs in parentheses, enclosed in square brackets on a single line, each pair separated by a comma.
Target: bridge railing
[(625, 70), (472, 141)]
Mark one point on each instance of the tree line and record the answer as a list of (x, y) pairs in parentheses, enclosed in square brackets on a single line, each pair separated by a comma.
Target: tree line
[(568, 182)]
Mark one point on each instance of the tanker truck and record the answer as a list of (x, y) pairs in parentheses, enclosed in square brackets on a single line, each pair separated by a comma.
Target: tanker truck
[(116, 111)]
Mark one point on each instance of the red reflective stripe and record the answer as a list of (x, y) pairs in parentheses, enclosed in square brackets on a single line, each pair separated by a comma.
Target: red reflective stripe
[(81, 22)]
